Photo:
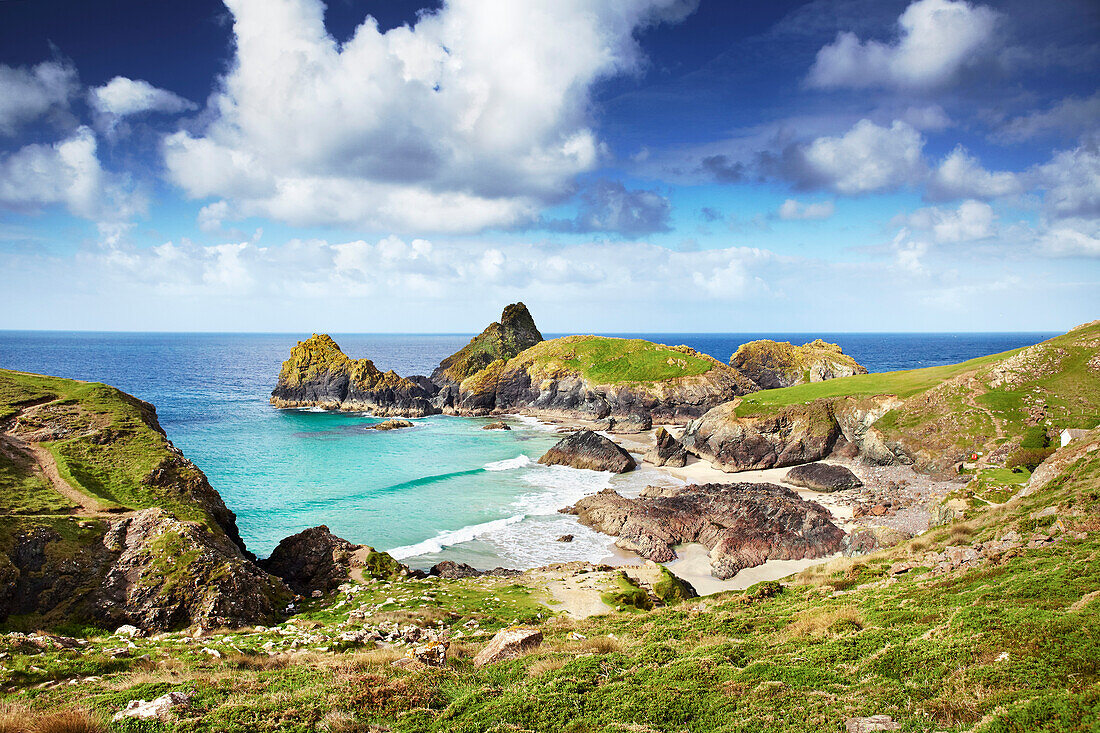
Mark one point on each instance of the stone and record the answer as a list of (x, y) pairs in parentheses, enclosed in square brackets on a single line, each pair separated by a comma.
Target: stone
[(162, 709), (586, 449), (508, 644), (743, 525), (431, 655), (565, 538), (313, 559), (871, 724), (668, 451), (878, 510), (392, 424), (635, 422), (498, 425), (127, 630), (822, 477)]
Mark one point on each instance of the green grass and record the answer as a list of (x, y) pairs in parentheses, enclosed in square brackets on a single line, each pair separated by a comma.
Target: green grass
[(26, 492), (606, 360)]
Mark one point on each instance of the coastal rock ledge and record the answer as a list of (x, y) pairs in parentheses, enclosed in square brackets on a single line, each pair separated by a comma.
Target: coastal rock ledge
[(743, 525), (586, 449)]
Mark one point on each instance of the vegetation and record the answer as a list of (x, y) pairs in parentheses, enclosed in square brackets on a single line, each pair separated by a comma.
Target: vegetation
[(604, 360), (515, 332)]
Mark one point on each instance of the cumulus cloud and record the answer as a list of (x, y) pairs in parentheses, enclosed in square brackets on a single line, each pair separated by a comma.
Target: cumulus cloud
[(67, 173), (936, 38), (867, 158), (792, 210), (1071, 239), (1072, 183), (971, 221), (474, 117), (29, 93), (1072, 116), (961, 175), (609, 206), (121, 97)]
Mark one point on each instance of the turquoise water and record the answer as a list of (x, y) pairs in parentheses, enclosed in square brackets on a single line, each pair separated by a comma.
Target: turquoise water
[(445, 489)]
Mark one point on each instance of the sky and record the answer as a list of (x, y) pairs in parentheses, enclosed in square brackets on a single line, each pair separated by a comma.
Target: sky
[(618, 165)]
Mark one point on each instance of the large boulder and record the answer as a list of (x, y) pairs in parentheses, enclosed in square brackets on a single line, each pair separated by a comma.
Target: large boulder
[(509, 644), (668, 451), (822, 477), (743, 525), (313, 559), (772, 364), (586, 449), (319, 374)]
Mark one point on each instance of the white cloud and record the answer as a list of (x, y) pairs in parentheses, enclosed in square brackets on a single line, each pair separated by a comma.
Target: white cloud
[(1071, 239), (961, 175), (972, 221), (791, 210), (474, 117), (1071, 116), (69, 173), (1072, 183), (867, 158), (121, 97), (27, 94), (936, 39), (211, 216), (931, 118)]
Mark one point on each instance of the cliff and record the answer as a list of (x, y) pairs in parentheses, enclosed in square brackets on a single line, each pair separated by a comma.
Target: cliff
[(103, 519), (1004, 408), (514, 332), (318, 373), (775, 364)]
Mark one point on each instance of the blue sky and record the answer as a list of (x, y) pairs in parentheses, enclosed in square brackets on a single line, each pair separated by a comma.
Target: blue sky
[(619, 165)]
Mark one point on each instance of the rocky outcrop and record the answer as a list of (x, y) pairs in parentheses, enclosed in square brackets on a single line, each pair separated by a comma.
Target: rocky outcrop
[(822, 477), (772, 364), (509, 644), (499, 341), (586, 449), (668, 451), (596, 377), (166, 574), (313, 559), (392, 424), (637, 422), (743, 525), (319, 374), (451, 570), (498, 425)]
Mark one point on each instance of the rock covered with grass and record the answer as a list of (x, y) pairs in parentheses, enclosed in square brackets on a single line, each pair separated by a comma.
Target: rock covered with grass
[(586, 449), (772, 364), (743, 525)]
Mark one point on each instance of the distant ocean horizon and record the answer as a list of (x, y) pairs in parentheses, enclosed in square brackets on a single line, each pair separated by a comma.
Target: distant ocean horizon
[(442, 490)]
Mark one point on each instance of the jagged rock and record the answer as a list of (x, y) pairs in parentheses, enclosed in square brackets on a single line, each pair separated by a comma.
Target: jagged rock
[(501, 341), (636, 422), (319, 374), (313, 559), (509, 644), (498, 425), (162, 709), (431, 655), (742, 525), (170, 574), (451, 569), (392, 424), (586, 449), (822, 477), (668, 451), (772, 364), (565, 538)]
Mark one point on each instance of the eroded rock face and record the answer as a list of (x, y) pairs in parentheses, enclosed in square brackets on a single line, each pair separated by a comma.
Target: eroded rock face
[(586, 449), (313, 559), (168, 574), (668, 451), (451, 569), (822, 477), (772, 364), (743, 525), (319, 374), (514, 332)]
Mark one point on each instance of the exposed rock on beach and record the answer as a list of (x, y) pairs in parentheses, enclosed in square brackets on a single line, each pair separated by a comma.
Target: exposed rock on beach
[(586, 449)]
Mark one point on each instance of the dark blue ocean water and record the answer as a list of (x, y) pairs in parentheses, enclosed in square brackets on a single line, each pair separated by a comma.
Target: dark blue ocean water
[(445, 488)]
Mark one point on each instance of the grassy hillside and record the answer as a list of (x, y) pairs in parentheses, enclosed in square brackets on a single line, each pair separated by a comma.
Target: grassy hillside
[(604, 360), (1009, 642), (105, 444)]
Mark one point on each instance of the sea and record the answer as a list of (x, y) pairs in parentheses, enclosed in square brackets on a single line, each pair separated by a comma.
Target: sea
[(444, 489)]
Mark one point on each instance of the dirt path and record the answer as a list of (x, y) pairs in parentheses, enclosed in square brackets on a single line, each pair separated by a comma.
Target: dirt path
[(971, 399)]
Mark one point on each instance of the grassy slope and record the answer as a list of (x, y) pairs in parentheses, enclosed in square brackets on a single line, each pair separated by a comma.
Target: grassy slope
[(604, 360), (111, 471), (1010, 645)]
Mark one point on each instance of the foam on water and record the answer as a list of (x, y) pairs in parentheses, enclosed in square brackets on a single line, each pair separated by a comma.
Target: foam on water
[(520, 461), (533, 423), (452, 537)]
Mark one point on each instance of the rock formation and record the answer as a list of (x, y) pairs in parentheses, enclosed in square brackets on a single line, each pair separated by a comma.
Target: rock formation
[(668, 451), (509, 644), (499, 341), (313, 559), (586, 449), (319, 374), (822, 477), (391, 424), (772, 364), (743, 525)]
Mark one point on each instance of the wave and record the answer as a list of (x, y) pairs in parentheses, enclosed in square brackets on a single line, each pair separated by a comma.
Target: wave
[(520, 461), (533, 423), (453, 537)]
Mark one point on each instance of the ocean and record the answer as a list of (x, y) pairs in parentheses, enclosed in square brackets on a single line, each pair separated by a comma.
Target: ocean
[(445, 489)]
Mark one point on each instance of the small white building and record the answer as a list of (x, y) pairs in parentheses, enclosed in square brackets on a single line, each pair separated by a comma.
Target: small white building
[(1072, 434)]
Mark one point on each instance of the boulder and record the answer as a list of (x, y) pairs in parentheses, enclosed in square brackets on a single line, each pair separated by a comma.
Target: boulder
[(586, 449), (822, 477), (451, 569), (565, 538), (392, 424), (635, 422), (668, 451), (871, 724), (162, 709), (498, 425), (743, 525), (313, 560), (509, 644)]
